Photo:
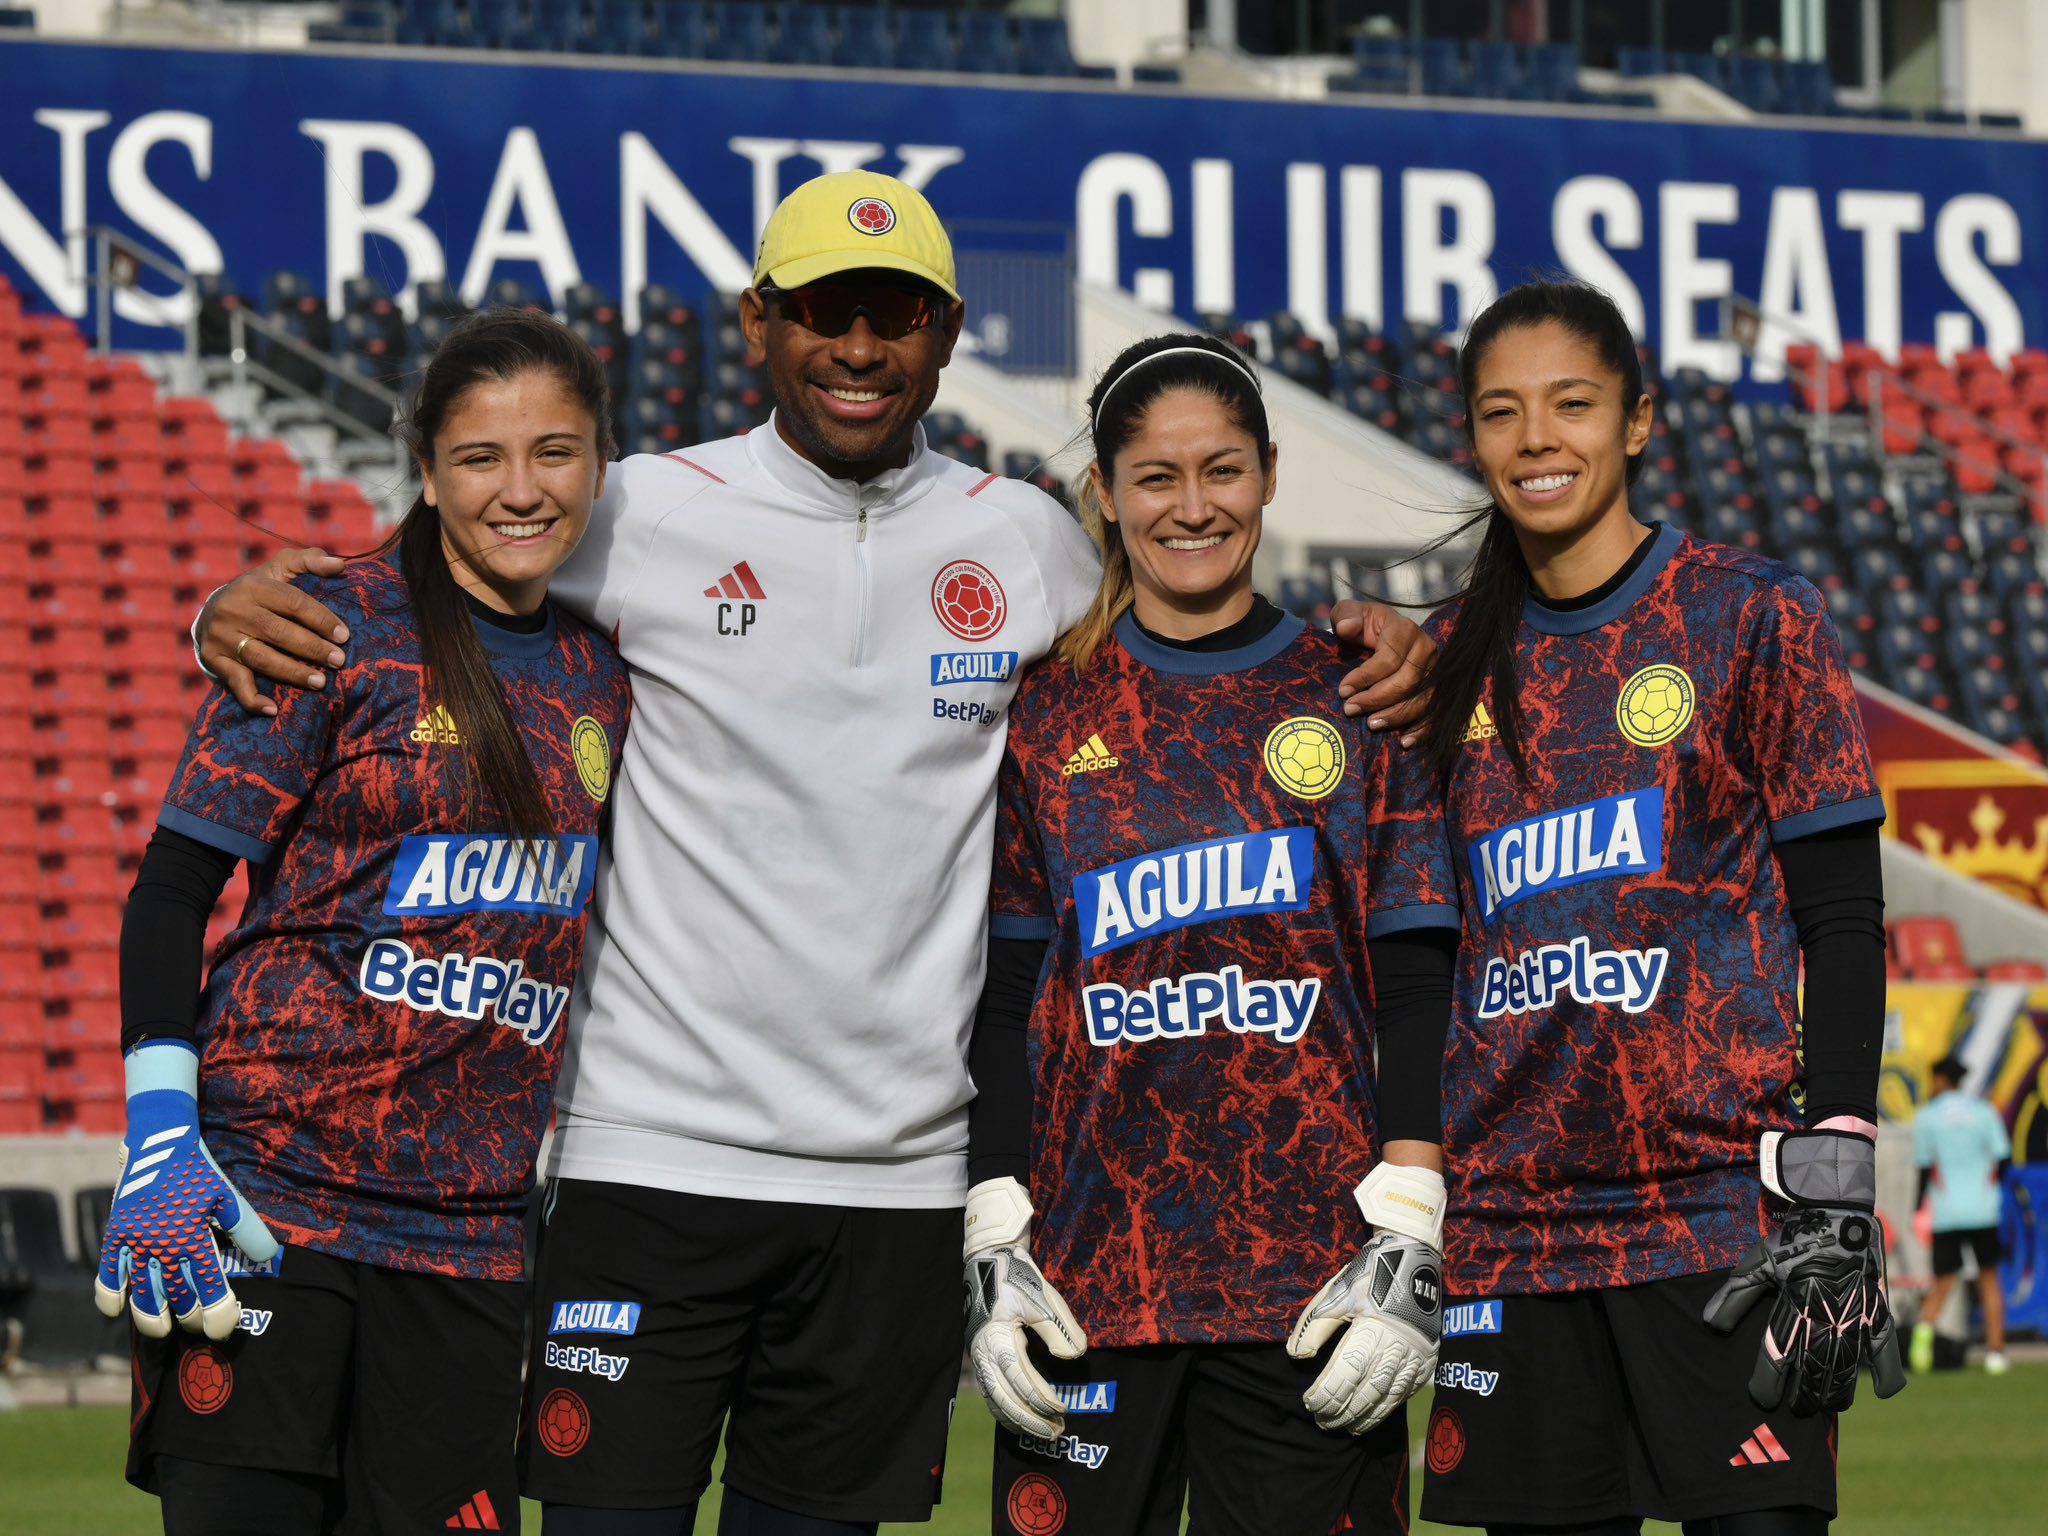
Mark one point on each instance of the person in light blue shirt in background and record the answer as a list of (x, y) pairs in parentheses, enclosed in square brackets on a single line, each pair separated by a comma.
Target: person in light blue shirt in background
[(1964, 1154)]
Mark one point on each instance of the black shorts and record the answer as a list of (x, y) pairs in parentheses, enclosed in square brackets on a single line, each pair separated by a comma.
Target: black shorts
[(403, 1388), (1219, 1426), (1982, 1242), (830, 1334), (1599, 1405)]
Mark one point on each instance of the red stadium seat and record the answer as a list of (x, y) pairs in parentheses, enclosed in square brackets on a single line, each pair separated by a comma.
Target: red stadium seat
[(2016, 970), (1919, 942)]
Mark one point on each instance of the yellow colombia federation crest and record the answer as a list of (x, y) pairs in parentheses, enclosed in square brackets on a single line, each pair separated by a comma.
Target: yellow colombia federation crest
[(592, 750), (1305, 756), (1655, 705)]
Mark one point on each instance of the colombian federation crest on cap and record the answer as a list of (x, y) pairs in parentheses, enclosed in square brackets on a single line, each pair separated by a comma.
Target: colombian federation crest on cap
[(871, 216)]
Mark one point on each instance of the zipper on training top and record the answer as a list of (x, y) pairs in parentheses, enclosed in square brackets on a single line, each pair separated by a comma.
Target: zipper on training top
[(860, 560)]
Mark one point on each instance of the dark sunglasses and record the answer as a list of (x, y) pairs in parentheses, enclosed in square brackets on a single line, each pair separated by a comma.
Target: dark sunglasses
[(830, 310)]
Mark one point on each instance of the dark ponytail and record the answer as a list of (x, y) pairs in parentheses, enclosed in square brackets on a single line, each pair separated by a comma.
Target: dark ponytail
[(1480, 649), (1116, 407), (495, 346)]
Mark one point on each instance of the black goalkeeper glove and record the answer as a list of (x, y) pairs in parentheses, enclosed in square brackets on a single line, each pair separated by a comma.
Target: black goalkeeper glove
[(1824, 1270)]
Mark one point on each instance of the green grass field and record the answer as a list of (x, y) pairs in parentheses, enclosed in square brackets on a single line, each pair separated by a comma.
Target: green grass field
[(1958, 1455)]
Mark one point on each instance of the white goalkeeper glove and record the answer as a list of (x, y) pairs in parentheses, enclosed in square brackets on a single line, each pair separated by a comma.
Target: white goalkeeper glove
[(1388, 1301), (1007, 1295)]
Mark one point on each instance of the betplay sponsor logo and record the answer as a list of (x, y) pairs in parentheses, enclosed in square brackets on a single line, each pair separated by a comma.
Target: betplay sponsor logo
[(587, 1358)]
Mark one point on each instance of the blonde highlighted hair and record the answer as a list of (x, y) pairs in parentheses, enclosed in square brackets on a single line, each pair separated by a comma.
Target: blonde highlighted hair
[(1153, 367)]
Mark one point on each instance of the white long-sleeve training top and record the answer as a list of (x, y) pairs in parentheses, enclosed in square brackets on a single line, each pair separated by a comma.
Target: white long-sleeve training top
[(788, 934)]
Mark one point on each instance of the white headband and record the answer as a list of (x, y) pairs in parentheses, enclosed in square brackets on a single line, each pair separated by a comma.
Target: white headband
[(1153, 357)]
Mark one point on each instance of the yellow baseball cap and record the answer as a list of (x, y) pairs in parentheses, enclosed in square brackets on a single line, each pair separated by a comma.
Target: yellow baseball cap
[(849, 220)]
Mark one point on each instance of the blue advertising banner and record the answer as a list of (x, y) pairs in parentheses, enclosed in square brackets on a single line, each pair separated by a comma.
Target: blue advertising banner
[(471, 167)]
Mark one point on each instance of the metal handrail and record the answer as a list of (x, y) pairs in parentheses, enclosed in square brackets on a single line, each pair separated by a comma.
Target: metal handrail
[(241, 322), (1742, 318)]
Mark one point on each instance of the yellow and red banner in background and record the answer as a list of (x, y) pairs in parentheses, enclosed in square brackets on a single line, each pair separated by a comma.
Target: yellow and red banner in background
[(1960, 801)]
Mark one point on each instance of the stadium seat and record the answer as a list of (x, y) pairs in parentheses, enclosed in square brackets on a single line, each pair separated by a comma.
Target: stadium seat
[(865, 39), (739, 32), (924, 40), (803, 35), (987, 45), (1920, 942)]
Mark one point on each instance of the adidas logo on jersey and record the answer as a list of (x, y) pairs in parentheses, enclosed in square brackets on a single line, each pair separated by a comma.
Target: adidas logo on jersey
[(1481, 726), (737, 583), (437, 728), (1092, 758)]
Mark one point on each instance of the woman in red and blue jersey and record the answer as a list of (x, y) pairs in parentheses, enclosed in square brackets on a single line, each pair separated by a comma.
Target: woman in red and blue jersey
[(1660, 800), (1175, 1053), (358, 1092)]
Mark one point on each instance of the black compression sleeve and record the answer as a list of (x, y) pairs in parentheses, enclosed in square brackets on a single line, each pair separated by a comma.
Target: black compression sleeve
[(163, 935), (1411, 1007), (999, 1119), (1926, 1183), (1834, 884)]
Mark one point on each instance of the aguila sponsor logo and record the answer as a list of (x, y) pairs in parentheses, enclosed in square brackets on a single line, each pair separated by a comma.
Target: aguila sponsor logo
[(1156, 893), (1601, 840), (620, 1317)]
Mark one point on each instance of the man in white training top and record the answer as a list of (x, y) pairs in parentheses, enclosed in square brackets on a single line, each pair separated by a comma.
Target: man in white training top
[(759, 1166)]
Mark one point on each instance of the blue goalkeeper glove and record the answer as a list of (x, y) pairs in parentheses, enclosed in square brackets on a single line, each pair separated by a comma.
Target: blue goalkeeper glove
[(159, 1253)]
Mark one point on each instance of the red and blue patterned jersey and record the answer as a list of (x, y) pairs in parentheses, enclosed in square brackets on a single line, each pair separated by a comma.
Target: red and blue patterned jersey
[(381, 1030), (1207, 841), (1627, 1013)]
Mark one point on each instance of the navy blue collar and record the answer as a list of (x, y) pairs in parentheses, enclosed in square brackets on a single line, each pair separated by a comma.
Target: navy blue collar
[(500, 641), (1169, 658), (1578, 621)]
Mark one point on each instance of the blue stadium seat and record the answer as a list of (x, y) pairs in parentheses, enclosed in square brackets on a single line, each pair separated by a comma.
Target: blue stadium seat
[(924, 40), (1443, 73), (1809, 89), (2027, 607), (1943, 570), (431, 24), (497, 23), (803, 35), (1758, 84), (1816, 562), (1155, 74), (740, 32), (1640, 63), (1042, 49), (681, 30), (1552, 69), (619, 27), (1495, 71), (557, 26), (866, 39), (18, 18), (987, 45)]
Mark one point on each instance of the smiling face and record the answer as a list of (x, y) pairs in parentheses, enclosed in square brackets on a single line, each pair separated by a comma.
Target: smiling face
[(516, 465), (1188, 495), (1551, 434), (849, 402)]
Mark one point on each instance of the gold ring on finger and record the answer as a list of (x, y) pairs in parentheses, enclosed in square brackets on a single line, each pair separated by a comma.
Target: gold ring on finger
[(244, 645)]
